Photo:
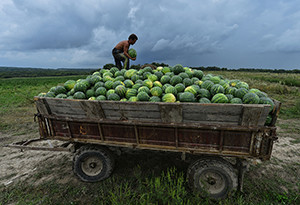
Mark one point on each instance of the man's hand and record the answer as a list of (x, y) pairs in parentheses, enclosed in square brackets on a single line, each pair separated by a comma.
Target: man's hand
[(133, 59)]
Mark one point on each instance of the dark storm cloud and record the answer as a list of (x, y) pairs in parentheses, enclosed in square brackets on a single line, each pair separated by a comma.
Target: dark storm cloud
[(209, 32)]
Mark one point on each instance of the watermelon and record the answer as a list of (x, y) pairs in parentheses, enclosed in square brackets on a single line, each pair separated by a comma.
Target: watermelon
[(94, 79), (69, 84), (100, 91), (128, 83), (187, 82), (90, 93), (50, 95), (159, 75), (152, 77), (113, 70), (42, 94), (156, 91), (133, 99), (61, 95), (148, 83), (79, 95), (179, 87), (236, 101), (107, 78), (191, 90), (79, 86), (131, 93), (198, 74), (207, 84), (157, 84), (132, 53), (203, 93), (169, 97), (119, 78), (137, 86), (217, 88), (143, 96), (108, 84), (60, 90), (178, 69), (215, 79), (187, 97), (189, 73), (230, 90), (98, 85), (52, 89), (229, 97), (242, 85), (123, 100), (155, 99), (165, 79), (171, 89), (135, 77), (184, 75), (204, 100), (129, 73), (110, 92), (121, 90), (116, 83), (250, 98), (219, 98), (118, 73), (101, 97), (239, 93), (108, 73), (266, 100), (144, 89), (92, 98), (175, 80), (165, 70), (113, 97)]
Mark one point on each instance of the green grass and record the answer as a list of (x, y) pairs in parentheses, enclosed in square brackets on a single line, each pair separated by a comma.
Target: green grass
[(146, 179)]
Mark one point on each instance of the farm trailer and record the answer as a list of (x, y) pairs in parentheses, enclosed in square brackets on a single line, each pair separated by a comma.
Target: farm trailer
[(221, 136)]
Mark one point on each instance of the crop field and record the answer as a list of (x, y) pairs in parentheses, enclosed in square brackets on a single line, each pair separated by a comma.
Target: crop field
[(141, 177)]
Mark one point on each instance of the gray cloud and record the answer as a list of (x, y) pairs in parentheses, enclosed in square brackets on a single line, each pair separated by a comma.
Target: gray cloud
[(52, 33)]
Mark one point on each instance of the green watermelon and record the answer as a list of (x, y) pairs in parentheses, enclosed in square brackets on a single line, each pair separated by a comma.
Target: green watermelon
[(229, 97), (165, 70), (79, 95), (156, 91), (191, 90), (90, 93), (204, 100), (128, 83), (132, 53), (175, 80), (137, 86), (187, 82), (171, 89), (219, 98), (179, 87), (144, 89), (148, 83), (231, 90), (239, 93), (60, 90), (250, 98), (207, 84), (266, 100), (203, 93), (129, 73), (236, 101), (117, 83), (157, 84), (50, 95), (187, 97), (101, 97), (143, 96), (69, 84), (184, 75), (131, 93), (242, 85), (135, 77), (61, 95), (178, 69), (165, 79), (159, 75), (215, 79), (155, 99), (152, 77), (110, 92), (169, 97), (133, 99), (113, 70), (98, 85), (217, 88), (100, 91), (198, 74), (92, 98), (113, 97), (121, 90), (108, 84)]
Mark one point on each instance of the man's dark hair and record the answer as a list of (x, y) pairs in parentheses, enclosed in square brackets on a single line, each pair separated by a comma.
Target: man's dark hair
[(133, 37)]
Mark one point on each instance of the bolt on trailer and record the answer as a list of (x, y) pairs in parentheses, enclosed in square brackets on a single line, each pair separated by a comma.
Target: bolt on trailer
[(221, 136)]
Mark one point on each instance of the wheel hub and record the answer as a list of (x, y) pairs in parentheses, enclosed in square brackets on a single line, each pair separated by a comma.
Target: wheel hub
[(92, 166), (213, 182)]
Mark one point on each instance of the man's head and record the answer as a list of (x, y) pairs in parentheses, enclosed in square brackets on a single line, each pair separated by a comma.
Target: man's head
[(132, 39)]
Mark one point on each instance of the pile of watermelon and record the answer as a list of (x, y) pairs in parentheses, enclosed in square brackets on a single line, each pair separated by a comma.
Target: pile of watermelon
[(163, 84)]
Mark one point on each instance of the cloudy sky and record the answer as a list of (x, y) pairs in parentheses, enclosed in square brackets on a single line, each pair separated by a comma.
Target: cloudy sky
[(82, 33)]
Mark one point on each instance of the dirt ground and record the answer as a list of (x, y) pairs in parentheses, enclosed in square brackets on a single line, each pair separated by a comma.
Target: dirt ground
[(17, 165)]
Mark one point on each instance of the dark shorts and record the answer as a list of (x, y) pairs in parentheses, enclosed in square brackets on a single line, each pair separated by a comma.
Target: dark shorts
[(120, 57)]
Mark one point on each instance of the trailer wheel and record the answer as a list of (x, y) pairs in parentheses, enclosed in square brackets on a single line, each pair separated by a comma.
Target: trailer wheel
[(214, 178), (92, 163)]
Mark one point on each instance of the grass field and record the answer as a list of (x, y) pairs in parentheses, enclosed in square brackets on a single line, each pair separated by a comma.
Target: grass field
[(145, 177)]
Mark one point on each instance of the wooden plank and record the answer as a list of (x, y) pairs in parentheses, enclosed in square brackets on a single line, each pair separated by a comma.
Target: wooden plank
[(131, 115), (41, 106), (250, 115), (226, 109), (211, 117), (262, 119), (129, 106), (171, 113)]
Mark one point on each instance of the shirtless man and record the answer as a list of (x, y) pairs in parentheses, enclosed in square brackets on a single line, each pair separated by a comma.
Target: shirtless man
[(120, 52)]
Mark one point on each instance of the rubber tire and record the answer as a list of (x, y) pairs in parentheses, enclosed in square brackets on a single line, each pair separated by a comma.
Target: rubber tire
[(103, 154), (214, 166)]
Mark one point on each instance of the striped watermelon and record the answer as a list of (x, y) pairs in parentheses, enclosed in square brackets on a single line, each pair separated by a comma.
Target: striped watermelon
[(113, 97), (204, 100), (250, 98), (121, 90), (156, 91), (143, 96), (131, 93), (169, 97), (187, 97), (236, 101), (207, 84), (219, 98), (217, 88), (175, 80), (239, 93)]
